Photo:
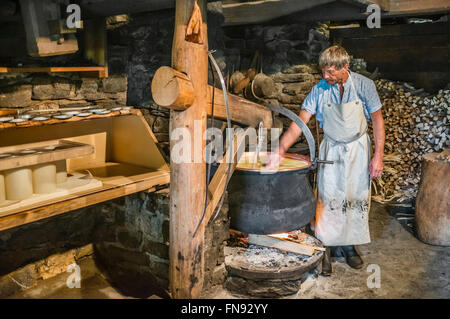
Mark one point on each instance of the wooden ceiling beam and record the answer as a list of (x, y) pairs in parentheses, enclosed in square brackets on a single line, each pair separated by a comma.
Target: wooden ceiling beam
[(265, 10), (403, 7)]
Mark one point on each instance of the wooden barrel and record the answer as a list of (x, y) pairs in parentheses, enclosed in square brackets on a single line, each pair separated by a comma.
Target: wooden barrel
[(433, 200)]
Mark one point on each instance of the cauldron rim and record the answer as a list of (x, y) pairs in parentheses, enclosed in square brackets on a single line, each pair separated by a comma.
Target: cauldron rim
[(302, 170)]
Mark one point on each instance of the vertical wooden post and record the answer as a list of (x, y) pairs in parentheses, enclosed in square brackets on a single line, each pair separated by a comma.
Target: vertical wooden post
[(188, 180)]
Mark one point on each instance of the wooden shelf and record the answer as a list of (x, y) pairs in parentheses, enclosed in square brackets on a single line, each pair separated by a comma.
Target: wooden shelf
[(41, 152), (114, 186), (126, 160), (51, 121), (88, 71)]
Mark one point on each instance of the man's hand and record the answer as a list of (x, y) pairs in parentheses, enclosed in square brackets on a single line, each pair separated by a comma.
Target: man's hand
[(274, 161), (376, 167)]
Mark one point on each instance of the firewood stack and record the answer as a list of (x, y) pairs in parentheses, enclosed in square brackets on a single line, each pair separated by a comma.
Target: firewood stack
[(416, 123)]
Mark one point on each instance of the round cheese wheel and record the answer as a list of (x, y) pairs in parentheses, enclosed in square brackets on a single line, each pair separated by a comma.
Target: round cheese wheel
[(61, 172), (18, 183), (44, 178)]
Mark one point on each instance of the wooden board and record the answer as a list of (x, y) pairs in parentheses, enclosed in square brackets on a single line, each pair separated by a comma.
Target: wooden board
[(62, 150), (72, 119), (219, 181), (107, 182), (283, 245), (77, 201), (94, 71), (76, 183), (396, 7), (261, 11)]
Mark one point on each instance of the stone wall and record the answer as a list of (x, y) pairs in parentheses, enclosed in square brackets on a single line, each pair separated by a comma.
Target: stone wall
[(43, 91), (43, 249), (281, 45)]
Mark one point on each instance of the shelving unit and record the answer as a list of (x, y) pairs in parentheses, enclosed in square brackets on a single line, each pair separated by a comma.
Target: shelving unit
[(126, 160)]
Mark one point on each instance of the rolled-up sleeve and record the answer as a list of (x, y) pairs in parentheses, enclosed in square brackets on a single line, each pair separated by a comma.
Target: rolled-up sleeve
[(311, 101), (370, 97)]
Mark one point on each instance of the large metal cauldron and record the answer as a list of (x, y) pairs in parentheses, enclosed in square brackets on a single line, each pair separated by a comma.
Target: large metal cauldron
[(273, 203), (270, 203)]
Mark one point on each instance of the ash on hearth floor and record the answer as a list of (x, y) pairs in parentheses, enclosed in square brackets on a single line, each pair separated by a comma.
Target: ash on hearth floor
[(267, 272)]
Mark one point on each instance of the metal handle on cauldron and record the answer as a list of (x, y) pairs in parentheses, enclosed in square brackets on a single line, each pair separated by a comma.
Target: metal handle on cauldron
[(324, 162), (306, 132)]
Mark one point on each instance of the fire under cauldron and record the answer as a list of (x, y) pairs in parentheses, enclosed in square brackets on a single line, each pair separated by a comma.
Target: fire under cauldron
[(274, 203)]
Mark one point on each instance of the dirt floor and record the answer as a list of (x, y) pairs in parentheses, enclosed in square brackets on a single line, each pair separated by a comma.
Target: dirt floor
[(407, 267)]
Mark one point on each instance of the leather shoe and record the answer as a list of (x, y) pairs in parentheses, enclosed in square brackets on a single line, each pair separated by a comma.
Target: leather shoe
[(352, 257), (327, 268)]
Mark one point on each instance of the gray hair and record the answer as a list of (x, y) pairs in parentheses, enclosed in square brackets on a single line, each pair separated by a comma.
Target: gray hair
[(334, 56)]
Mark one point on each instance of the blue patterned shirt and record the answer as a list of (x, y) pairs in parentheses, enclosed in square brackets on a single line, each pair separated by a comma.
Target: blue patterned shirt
[(365, 89)]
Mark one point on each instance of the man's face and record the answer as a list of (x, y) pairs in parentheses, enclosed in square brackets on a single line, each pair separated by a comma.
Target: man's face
[(333, 76)]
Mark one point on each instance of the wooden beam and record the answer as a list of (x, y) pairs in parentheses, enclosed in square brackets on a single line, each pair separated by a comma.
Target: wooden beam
[(238, 12), (219, 181), (105, 8), (188, 186), (383, 4), (174, 90), (396, 7), (95, 71), (280, 244), (262, 11)]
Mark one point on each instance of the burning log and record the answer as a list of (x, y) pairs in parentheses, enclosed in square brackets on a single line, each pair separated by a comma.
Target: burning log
[(294, 242), (280, 244), (238, 239)]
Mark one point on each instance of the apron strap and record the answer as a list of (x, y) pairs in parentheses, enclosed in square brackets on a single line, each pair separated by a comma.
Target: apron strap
[(344, 143), (353, 86)]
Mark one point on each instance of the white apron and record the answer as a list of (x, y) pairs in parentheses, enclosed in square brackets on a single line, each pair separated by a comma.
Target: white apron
[(342, 213)]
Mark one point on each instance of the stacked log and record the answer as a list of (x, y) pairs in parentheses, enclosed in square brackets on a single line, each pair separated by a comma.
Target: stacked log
[(416, 123)]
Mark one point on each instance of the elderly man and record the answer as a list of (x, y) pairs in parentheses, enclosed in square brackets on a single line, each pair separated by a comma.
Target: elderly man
[(343, 102)]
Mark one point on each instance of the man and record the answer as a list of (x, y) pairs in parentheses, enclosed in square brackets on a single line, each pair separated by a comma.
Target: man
[(343, 102)]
